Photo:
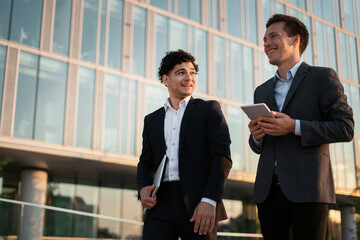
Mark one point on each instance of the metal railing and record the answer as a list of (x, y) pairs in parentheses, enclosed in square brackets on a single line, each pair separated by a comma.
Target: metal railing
[(24, 211)]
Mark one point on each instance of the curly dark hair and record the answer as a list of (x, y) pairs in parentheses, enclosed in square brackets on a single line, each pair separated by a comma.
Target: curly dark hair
[(293, 26), (174, 58)]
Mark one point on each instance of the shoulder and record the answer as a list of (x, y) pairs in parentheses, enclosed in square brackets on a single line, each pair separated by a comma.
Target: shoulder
[(155, 114), (265, 85)]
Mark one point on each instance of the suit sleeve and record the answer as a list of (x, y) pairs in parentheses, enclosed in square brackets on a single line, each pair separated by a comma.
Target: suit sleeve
[(145, 167), (338, 125), (219, 148)]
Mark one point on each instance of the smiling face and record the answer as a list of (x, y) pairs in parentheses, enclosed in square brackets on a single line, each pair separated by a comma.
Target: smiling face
[(180, 81), (279, 47)]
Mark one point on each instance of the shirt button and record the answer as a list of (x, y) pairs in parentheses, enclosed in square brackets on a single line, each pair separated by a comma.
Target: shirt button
[(176, 114), (172, 159), (173, 144), (174, 129)]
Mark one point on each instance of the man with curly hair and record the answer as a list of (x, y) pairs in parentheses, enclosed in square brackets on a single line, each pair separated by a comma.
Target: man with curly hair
[(194, 136)]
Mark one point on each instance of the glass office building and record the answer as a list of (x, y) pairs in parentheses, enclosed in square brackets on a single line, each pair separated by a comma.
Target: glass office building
[(77, 78)]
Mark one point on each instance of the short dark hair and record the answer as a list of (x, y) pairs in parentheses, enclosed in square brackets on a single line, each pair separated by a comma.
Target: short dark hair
[(293, 26), (174, 58)]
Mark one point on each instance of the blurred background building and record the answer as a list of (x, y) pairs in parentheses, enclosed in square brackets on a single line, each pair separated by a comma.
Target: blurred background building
[(77, 78)]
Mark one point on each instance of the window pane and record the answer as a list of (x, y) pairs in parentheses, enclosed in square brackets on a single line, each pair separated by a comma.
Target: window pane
[(89, 31), (233, 14), (235, 117), (299, 3), (5, 11), (161, 40), (2, 72), (349, 63), (220, 66), (50, 102), (200, 53), (326, 45), (85, 111), (327, 9), (115, 34), (178, 35), (132, 113), (349, 15), (267, 70), (139, 41), (155, 97), (125, 112), (26, 22), (214, 14), (353, 95), (160, 4), (270, 7), (25, 97), (102, 32), (62, 27), (190, 9), (111, 134)]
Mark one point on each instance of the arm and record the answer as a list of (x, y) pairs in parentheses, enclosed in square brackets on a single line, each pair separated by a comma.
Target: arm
[(339, 123), (145, 171), (219, 147)]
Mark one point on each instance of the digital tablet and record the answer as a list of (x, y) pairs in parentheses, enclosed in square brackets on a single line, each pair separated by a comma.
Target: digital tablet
[(257, 110)]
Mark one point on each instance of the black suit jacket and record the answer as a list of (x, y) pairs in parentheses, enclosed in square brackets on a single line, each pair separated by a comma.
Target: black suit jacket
[(204, 152), (316, 98)]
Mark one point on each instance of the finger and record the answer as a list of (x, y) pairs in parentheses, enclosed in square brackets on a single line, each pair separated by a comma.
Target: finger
[(212, 224), (206, 226), (192, 219), (197, 224)]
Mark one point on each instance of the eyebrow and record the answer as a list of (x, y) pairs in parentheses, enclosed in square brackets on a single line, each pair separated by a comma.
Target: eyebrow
[(180, 69), (270, 34)]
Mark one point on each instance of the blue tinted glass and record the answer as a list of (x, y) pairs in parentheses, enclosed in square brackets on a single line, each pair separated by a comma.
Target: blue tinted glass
[(343, 55), (267, 70), (200, 53), (299, 3), (160, 4), (353, 95), (50, 101), (190, 9), (2, 72), (242, 73), (132, 113), (62, 27), (139, 42), (125, 112), (220, 66), (344, 165), (178, 33), (328, 10), (85, 107), (233, 14), (235, 121), (115, 34), (102, 32), (26, 22), (25, 96), (155, 97), (349, 63), (251, 21), (5, 11), (161, 40), (326, 45), (349, 16), (89, 30), (112, 117)]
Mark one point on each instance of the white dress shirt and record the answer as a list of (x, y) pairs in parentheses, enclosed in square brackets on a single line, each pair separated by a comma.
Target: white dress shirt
[(172, 124)]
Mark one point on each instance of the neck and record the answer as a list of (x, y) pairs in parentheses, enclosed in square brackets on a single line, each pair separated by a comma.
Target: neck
[(174, 102), (286, 66)]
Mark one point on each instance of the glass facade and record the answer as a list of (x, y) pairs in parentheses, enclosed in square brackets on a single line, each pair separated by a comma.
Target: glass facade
[(54, 91)]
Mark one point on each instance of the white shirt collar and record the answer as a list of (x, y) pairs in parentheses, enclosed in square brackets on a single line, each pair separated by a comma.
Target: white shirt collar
[(184, 102)]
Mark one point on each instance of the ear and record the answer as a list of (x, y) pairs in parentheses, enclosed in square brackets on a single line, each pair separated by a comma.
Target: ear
[(165, 80), (296, 39)]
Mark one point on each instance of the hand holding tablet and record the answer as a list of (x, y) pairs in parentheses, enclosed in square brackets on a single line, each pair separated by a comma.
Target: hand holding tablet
[(257, 110)]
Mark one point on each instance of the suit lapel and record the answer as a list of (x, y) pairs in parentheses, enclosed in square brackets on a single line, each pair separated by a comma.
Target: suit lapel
[(299, 76), (271, 96), (185, 122), (160, 121)]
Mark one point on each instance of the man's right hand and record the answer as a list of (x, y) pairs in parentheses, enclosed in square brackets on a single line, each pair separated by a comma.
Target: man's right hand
[(145, 196), (255, 129)]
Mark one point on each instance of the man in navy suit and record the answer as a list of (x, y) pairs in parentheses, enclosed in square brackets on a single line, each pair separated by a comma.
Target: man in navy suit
[(195, 137), (294, 181)]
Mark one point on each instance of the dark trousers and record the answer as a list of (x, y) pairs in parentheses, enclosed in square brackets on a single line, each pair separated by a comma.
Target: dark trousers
[(282, 219), (169, 218)]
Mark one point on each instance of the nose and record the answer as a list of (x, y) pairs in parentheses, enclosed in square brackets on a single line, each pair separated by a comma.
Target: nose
[(188, 76)]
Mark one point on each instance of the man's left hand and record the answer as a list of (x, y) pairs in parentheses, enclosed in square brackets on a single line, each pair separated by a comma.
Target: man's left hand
[(281, 125), (204, 217)]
